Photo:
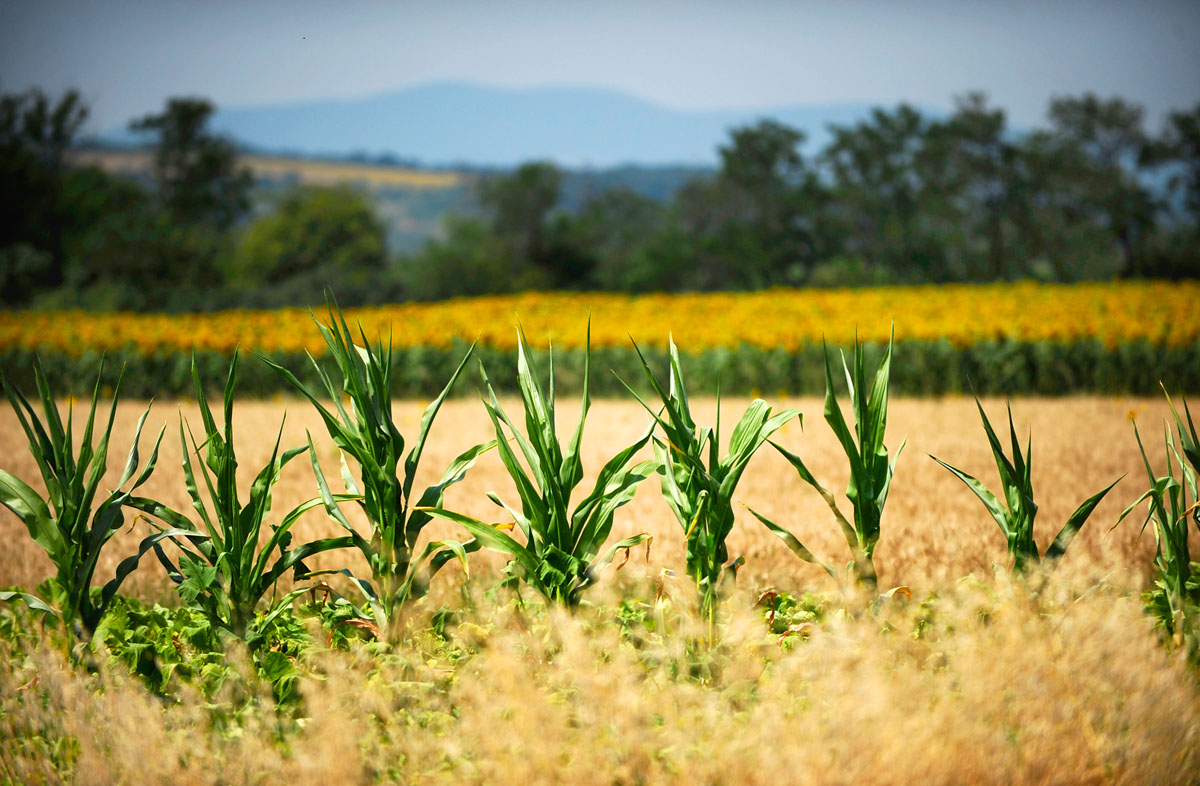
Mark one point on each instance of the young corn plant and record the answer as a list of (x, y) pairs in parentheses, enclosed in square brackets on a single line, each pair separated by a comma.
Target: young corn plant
[(697, 484), (384, 490), (1016, 514), (221, 568), (1172, 498), (870, 471), (564, 547), (69, 526)]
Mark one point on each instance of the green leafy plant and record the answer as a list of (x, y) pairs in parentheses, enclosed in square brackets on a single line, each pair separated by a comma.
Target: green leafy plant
[(697, 484), (221, 567), (561, 555), (1016, 514), (1172, 498), (870, 471), (368, 434), (69, 526)]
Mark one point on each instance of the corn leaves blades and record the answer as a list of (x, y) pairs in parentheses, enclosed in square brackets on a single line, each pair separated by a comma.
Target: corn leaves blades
[(414, 456), (1189, 441), (29, 507), (997, 510), (331, 504), (792, 542), (491, 537), (32, 601), (754, 428), (1076, 522), (571, 472), (606, 559), (69, 527), (433, 495), (598, 524), (807, 476)]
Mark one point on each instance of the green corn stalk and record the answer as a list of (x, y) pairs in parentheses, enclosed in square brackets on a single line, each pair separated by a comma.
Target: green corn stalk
[(697, 485), (68, 525), (561, 556), (870, 471), (221, 569), (1016, 514), (1172, 498), (384, 491)]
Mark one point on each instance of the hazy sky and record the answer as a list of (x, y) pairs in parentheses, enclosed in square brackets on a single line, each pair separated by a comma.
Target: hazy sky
[(129, 56)]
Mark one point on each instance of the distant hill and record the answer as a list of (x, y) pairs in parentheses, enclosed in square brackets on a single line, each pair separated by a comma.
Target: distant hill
[(463, 124)]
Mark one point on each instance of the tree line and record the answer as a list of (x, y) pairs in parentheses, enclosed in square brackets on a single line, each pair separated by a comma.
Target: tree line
[(899, 197)]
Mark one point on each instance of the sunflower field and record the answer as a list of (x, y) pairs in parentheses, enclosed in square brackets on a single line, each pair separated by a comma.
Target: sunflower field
[(1119, 337)]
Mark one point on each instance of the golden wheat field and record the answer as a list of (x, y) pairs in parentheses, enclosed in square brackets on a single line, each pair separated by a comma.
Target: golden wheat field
[(934, 528), (976, 679), (308, 171)]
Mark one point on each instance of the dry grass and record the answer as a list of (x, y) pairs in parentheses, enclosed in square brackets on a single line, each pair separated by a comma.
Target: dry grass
[(987, 683)]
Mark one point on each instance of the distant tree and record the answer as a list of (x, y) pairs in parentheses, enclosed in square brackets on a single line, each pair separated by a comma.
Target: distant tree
[(520, 205), (615, 227), (1176, 250), (766, 184), (1111, 134), (971, 171), (327, 233), (881, 198), (1179, 147), (35, 135), (1059, 231), (469, 260), (197, 174), (758, 222)]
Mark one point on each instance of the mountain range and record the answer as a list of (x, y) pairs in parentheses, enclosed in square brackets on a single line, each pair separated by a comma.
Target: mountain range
[(448, 124)]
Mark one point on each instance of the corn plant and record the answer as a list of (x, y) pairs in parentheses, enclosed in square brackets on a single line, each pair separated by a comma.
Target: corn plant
[(697, 484), (1016, 514), (870, 471), (68, 525), (368, 434), (221, 568), (561, 556), (1172, 498)]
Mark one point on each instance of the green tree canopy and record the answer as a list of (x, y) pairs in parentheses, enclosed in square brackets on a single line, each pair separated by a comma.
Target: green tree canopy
[(198, 178), (325, 231)]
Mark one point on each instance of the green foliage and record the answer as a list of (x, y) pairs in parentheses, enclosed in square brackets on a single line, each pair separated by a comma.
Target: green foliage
[(696, 484), (70, 526), (222, 569), (469, 260), (1172, 498), (170, 648), (368, 434), (870, 470), (35, 135), (561, 556), (329, 233), (1016, 514), (788, 615)]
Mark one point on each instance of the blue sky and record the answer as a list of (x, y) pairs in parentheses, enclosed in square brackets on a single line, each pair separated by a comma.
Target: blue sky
[(128, 56)]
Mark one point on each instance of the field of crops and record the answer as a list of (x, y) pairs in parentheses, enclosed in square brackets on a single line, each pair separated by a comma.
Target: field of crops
[(1121, 338), (308, 171), (1114, 314), (476, 592)]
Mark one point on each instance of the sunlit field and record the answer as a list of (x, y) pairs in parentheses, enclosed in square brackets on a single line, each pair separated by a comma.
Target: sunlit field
[(934, 528), (964, 675)]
